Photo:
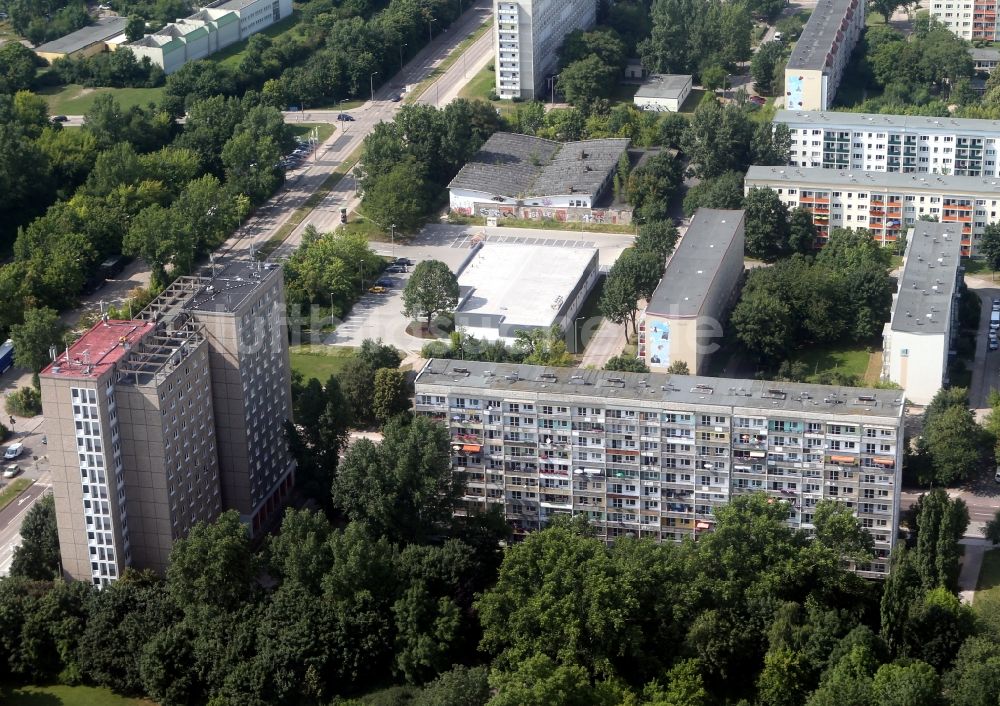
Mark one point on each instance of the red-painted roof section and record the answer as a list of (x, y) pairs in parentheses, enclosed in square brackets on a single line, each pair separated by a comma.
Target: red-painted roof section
[(98, 349)]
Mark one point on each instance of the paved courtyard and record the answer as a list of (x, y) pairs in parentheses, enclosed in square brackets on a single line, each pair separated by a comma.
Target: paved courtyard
[(380, 315)]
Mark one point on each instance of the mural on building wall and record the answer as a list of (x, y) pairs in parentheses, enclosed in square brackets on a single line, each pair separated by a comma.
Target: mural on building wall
[(659, 343), (794, 87), (536, 213)]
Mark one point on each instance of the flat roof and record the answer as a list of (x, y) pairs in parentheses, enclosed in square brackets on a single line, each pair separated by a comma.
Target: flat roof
[(663, 86), (662, 389), (875, 121), (525, 284), (691, 270), (226, 290), (821, 33), (97, 351), (928, 282), (103, 28), (859, 179), (522, 166)]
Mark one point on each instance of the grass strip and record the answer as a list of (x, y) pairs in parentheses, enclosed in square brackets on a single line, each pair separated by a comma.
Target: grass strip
[(13, 489), (448, 61)]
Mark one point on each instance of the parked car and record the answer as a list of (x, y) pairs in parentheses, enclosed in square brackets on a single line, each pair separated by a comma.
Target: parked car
[(345, 116), (396, 269), (59, 118), (384, 282), (405, 261), (11, 470), (13, 451), (994, 342), (378, 290), (758, 100), (396, 98), (996, 304)]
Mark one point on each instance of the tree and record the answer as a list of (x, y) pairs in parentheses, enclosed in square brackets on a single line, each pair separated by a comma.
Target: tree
[(37, 557), (991, 530), (213, 565), (618, 300), (840, 529), (762, 66), (975, 677), (723, 191), (391, 394), (801, 231), (135, 28), (459, 686), (626, 363), (679, 367), (714, 77), (941, 523), (431, 290), (157, 237), (659, 237), (989, 245), (401, 197), (766, 227), (954, 444), (906, 684), (41, 330), (324, 416), (17, 67), (764, 325), (403, 488), (652, 185), (541, 681), (586, 80), (937, 626), (901, 589), (357, 380)]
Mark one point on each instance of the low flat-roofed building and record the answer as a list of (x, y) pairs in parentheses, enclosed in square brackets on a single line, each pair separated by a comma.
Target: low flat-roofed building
[(654, 455), (886, 203), (918, 337), (683, 319), (817, 63), (529, 177), (663, 92), (85, 41), (511, 288)]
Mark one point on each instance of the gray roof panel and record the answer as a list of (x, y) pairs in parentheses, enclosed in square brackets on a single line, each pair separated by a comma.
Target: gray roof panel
[(821, 33), (102, 29), (926, 288)]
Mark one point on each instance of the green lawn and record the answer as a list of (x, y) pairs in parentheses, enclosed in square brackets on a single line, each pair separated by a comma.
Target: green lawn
[(987, 599), (305, 129), (233, 54), (850, 361), (449, 60), (65, 696), (12, 490), (320, 362), (74, 99), (480, 86)]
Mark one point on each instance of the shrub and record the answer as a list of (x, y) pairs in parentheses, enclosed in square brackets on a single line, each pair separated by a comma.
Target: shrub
[(4, 433), (26, 402)]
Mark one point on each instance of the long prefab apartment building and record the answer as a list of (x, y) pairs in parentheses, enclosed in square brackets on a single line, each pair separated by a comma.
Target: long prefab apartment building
[(892, 143), (653, 455)]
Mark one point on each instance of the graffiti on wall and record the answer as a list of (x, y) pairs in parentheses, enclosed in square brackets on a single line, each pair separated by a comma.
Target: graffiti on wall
[(659, 343)]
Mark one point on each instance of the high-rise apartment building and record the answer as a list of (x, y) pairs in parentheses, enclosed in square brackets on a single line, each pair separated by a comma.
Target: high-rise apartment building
[(527, 34), (821, 54), (157, 423), (653, 455), (131, 446), (884, 203), (973, 20), (893, 143)]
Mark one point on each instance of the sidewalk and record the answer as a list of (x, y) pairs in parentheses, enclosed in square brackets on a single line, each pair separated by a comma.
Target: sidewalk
[(972, 561)]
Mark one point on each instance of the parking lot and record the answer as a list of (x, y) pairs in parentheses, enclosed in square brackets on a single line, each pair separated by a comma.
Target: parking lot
[(380, 315)]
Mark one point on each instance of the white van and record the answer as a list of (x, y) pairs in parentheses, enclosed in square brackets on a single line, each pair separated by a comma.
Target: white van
[(994, 320)]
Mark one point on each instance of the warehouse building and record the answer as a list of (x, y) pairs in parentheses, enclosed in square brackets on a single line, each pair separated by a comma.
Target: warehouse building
[(884, 203), (892, 143), (663, 93), (682, 322), (821, 54), (527, 35), (654, 455), (519, 176), (510, 288), (87, 41), (918, 339)]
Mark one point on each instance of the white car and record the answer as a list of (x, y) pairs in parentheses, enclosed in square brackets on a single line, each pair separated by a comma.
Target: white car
[(13, 451), (11, 471)]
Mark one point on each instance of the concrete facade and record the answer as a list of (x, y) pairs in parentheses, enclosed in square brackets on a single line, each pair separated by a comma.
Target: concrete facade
[(526, 36), (884, 203), (918, 338), (654, 455), (821, 54), (968, 19), (663, 93), (683, 319), (893, 143)]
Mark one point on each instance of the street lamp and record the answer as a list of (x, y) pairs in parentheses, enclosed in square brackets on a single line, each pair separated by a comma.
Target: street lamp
[(343, 123), (576, 332), (401, 56), (429, 35), (392, 238), (371, 80), (331, 307)]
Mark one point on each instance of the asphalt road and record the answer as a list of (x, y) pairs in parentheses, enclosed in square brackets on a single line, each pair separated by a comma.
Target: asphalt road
[(10, 523)]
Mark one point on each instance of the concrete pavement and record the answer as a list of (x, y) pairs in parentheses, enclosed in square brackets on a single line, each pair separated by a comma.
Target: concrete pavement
[(11, 518), (473, 60), (972, 562)]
